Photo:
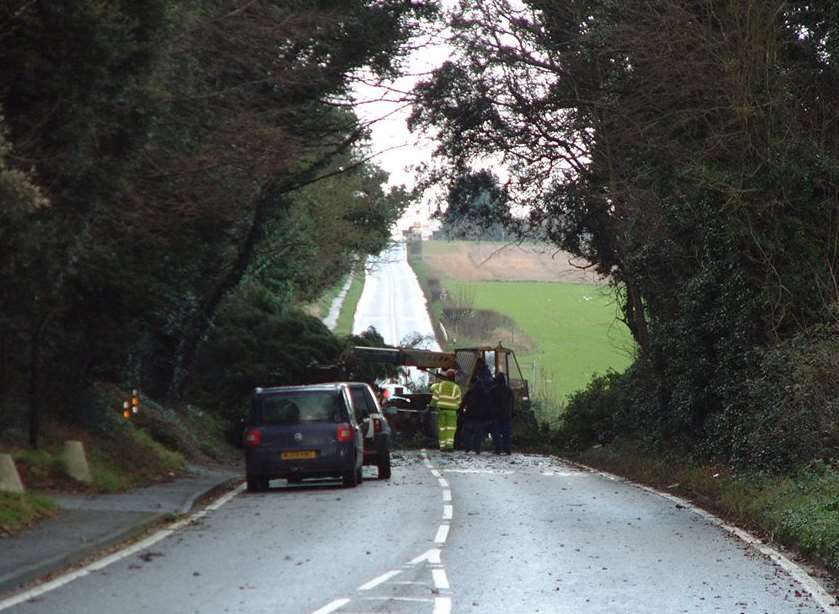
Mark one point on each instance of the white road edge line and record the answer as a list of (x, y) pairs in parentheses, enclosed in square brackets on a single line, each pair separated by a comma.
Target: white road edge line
[(380, 580), (447, 495), (819, 594), (442, 605), (113, 558), (443, 483), (440, 580), (442, 534), (332, 606), (447, 512), (435, 473)]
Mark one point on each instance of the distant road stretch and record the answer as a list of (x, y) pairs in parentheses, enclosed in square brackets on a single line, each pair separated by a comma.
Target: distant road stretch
[(392, 300)]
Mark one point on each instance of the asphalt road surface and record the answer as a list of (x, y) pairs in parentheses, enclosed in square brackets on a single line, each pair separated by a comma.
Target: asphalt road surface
[(393, 302), (448, 533)]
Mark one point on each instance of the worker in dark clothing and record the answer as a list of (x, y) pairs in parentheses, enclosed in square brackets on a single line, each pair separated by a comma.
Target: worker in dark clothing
[(477, 410), (502, 414), (461, 440)]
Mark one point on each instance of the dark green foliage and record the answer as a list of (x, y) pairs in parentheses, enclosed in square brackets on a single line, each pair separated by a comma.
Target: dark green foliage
[(778, 412), (476, 207), (788, 411), (258, 340), (590, 417), (363, 371)]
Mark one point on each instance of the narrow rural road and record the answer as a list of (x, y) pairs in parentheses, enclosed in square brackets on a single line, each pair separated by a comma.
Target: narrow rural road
[(392, 300), (450, 532)]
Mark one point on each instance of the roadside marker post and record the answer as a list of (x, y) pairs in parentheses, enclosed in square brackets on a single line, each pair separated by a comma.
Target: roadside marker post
[(132, 407)]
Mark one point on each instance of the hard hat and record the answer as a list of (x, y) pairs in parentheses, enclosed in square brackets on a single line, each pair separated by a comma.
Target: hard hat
[(451, 373)]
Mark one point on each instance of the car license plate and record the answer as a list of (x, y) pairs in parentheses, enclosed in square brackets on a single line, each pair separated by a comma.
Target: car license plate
[(299, 455)]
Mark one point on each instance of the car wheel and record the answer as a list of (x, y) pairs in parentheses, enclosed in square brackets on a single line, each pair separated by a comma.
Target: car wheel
[(257, 484), (359, 476), (350, 478), (384, 466)]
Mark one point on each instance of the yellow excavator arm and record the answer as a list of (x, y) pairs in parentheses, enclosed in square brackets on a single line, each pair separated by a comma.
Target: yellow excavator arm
[(407, 357)]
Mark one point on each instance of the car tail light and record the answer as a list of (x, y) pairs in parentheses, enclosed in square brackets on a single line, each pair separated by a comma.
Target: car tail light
[(253, 438), (377, 425), (344, 433)]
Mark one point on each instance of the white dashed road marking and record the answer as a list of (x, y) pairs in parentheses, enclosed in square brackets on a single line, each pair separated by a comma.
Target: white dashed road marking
[(380, 580), (442, 534), (432, 558), (331, 607), (442, 605), (441, 581)]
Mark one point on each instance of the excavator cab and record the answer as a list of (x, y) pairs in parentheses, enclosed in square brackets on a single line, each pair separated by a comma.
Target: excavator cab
[(498, 358), (465, 361)]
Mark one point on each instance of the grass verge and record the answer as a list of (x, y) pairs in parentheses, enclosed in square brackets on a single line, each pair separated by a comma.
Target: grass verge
[(344, 324), (320, 308), (153, 445), (18, 512), (430, 285), (800, 511)]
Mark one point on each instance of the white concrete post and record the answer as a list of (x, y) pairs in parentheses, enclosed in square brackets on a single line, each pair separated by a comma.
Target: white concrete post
[(9, 477), (75, 462)]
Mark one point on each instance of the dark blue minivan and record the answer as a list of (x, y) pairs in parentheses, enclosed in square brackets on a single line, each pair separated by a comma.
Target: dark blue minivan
[(297, 432)]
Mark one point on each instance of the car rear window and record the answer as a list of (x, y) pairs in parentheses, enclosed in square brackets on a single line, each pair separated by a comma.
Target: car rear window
[(301, 406)]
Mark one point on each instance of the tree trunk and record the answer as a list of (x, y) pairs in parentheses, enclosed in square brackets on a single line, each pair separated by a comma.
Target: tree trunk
[(636, 318), (34, 410), (202, 318)]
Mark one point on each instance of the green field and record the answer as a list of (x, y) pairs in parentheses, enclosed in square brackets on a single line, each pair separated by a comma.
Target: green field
[(320, 308), (572, 327)]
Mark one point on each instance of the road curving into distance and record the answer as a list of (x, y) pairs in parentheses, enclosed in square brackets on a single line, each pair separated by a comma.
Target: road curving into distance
[(450, 532)]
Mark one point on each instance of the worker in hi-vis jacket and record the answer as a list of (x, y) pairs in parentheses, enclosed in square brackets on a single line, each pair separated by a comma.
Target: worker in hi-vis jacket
[(445, 398)]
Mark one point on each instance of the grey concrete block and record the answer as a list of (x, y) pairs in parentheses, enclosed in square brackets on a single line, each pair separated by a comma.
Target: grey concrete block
[(75, 462), (9, 477)]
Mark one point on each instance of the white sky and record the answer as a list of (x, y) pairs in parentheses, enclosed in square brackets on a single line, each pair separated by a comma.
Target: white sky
[(400, 149)]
